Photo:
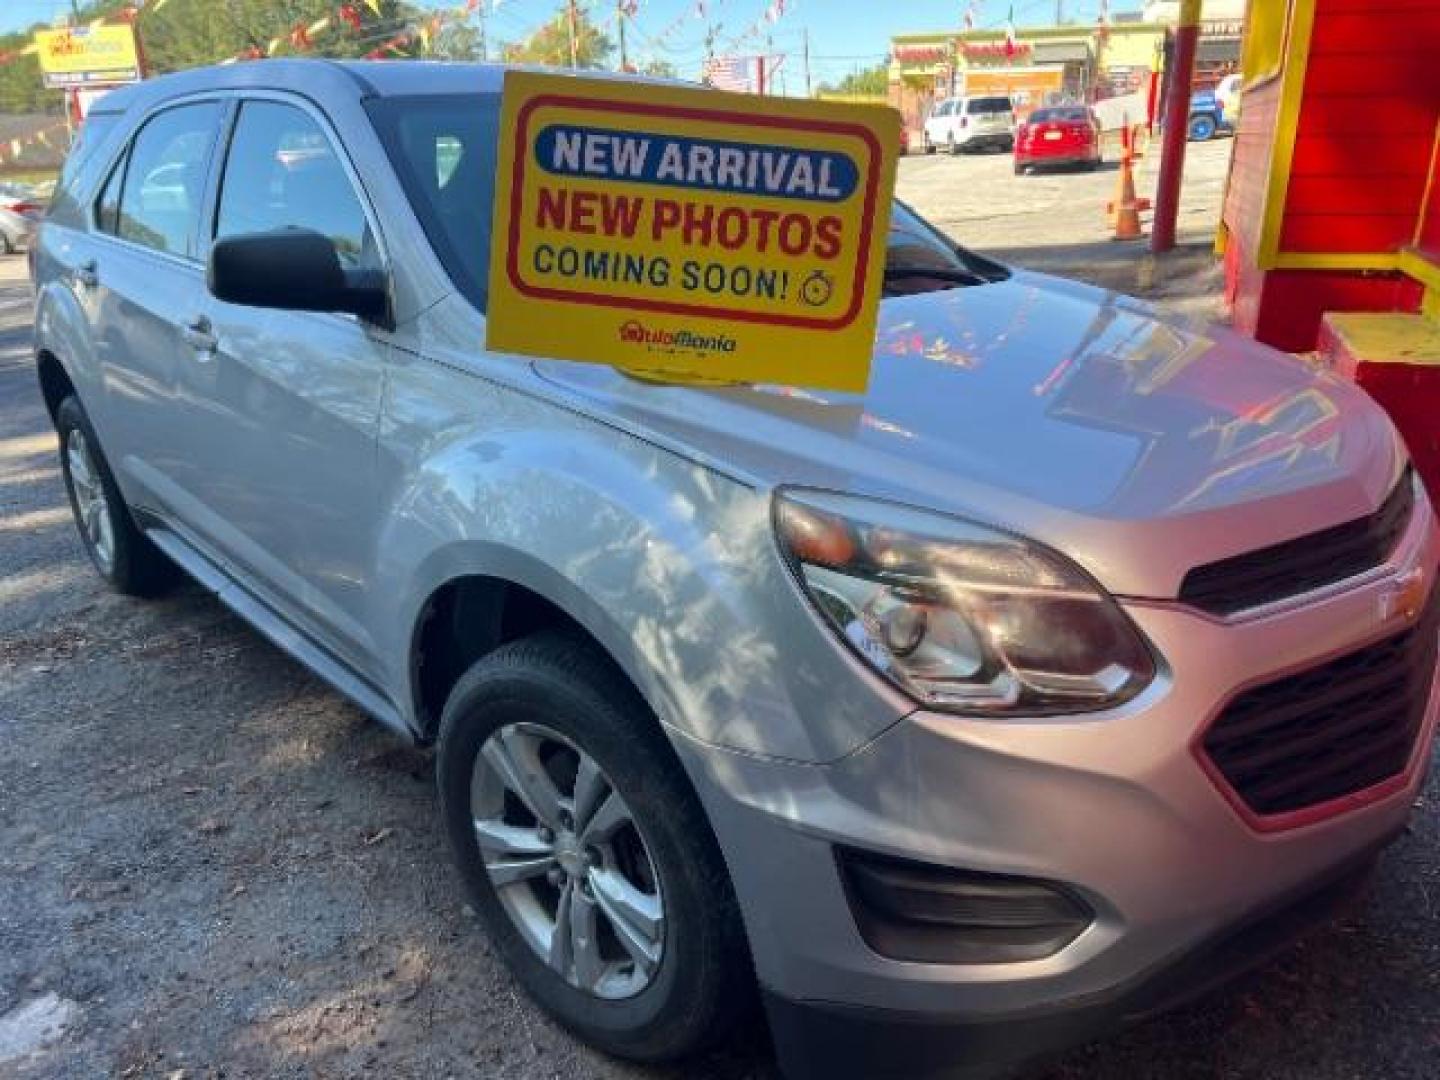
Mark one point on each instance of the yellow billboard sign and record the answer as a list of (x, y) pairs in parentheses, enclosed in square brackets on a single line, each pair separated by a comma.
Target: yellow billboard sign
[(88, 55), (689, 234)]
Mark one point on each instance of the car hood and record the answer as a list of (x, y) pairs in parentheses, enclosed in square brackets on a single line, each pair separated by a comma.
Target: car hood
[(1139, 443)]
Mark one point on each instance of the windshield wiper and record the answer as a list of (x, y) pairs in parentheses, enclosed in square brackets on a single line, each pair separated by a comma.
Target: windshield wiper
[(953, 274)]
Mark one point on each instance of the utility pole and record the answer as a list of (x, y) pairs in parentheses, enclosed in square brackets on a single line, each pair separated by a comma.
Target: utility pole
[(1059, 12), (572, 11), (807, 62), (1177, 123), (483, 44), (620, 33)]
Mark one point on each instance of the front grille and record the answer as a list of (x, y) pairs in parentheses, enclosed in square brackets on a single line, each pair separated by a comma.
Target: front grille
[(1331, 731), (1298, 566)]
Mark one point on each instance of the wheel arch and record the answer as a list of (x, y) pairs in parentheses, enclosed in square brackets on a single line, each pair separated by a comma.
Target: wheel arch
[(486, 597), (64, 353), (55, 382)]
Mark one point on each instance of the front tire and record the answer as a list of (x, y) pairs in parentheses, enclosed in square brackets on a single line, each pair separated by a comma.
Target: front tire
[(1202, 128), (118, 550), (586, 852)]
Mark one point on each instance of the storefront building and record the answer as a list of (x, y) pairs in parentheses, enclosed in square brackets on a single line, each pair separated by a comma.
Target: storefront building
[(1056, 63), (1331, 222), (1044, 65)]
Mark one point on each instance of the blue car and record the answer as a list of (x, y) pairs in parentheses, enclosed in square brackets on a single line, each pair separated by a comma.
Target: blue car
[(1207, 116)]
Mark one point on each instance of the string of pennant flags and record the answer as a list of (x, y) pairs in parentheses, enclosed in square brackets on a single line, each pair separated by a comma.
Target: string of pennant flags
[(51, 137), (773, 13), (350, 16), (302, 36)]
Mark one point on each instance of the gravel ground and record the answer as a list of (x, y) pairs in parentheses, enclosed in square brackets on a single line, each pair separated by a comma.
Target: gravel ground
[(210, 865)]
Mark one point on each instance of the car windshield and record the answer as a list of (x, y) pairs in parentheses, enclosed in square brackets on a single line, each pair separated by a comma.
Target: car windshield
[(988, 105), (443, 147), (1058, 116)]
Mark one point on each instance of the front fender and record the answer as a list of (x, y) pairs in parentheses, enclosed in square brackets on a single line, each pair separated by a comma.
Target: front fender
[(671, 566)]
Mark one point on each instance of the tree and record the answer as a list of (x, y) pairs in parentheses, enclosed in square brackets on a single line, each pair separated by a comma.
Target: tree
[(659, 69), (192, 33), (872, 82), (550, 45), (457, 41)]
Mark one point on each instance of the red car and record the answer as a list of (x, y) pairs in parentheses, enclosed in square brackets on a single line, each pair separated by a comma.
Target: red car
[(1058, 135)]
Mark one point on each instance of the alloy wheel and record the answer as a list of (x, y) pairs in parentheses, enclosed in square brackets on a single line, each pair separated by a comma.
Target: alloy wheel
[(568, 861), (91, 504)]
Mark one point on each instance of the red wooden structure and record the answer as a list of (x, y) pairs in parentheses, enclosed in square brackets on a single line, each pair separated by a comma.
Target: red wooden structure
[(1331, 224)]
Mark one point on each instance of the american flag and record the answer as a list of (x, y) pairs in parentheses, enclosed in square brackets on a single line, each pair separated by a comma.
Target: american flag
[(735, 73)]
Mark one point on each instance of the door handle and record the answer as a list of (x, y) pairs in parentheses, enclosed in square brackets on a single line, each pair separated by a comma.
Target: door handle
[(87, 274), (199, 334)]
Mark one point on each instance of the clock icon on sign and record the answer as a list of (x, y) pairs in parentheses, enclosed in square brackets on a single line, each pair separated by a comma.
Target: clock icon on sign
[(817, 289)]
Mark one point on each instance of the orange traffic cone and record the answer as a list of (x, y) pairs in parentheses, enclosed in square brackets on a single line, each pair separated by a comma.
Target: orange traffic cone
[(1125, 210)]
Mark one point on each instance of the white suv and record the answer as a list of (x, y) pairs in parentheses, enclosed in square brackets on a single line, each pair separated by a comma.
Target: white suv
[(971, 123)]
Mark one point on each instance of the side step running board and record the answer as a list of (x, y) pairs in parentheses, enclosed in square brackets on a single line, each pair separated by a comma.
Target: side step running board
[(279, 632)]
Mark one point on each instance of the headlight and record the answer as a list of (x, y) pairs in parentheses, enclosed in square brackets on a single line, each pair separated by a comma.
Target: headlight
[(961, 617)]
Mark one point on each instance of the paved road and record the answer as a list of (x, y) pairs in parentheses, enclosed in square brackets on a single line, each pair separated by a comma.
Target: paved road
[(210, 865)]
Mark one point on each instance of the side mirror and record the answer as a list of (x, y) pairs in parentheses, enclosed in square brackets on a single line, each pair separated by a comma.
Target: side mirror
[(292, 270)]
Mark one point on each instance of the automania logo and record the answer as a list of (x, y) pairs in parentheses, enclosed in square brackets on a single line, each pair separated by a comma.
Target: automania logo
[(634, 332)]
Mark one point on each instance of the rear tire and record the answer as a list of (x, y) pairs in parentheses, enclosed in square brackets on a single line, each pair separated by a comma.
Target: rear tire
[(549, 704), (124, 556), (7, 246), (1202, 128)]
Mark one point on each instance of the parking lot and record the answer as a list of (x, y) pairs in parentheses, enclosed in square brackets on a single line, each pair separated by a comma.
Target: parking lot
[(211, 865), (981, 202)]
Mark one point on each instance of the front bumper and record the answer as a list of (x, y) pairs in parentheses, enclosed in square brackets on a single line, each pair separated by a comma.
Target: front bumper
[(1116, 807), (826, 1041)]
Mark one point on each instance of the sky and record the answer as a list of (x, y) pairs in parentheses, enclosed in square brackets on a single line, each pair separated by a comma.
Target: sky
[(845, 35)]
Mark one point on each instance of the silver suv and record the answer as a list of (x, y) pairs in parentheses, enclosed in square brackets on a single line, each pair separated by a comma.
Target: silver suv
[(1047, 681)]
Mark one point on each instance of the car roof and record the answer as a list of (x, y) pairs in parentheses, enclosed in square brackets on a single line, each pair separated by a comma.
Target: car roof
[(348, 78)]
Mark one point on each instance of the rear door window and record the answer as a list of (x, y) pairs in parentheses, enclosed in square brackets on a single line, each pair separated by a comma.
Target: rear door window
[(164, 182)]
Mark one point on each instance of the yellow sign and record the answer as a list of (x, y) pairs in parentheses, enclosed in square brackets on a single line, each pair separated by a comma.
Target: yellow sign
[(86, 55), (690, 234)]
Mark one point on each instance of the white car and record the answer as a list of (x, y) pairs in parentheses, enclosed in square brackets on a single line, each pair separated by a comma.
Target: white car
[(971, 123), (1228, 94), (20, 209)]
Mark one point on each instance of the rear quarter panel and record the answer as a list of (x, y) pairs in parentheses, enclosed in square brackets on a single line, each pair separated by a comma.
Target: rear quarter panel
[(62, 324)]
